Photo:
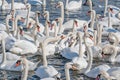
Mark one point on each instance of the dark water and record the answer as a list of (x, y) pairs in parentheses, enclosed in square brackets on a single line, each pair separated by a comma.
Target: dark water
[(58, 61)]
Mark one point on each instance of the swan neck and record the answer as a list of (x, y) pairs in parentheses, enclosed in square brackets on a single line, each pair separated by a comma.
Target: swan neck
[(95, 35), (99, 29), (105, 9), (7, 23), (92, 19), (46, 29), (60, 26), (37, 19), (109, 20), (16, 29), (12, 5), (62, 13), (4, 53), (28, 14), (67, 73), (112, 57), (25, 72), (89, 51), (67, 2), (55, 29), (44, 55), (90, 5), (80, 45)]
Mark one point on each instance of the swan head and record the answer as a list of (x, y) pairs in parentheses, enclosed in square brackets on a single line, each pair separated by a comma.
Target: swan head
[(111, 38), (53, 24), (18, 63), (59, 4), (28, 6), (37, 12), (45, 14), (103, 75), (110, 10)]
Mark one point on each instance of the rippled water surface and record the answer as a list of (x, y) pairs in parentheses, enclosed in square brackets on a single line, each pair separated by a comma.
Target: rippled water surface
[(58, 61)]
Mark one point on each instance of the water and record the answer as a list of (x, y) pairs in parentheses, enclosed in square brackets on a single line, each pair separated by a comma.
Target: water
[(58, 61)]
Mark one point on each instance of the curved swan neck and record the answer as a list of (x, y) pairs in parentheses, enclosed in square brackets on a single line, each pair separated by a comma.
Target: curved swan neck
[(105, 9), (93, 14), (89, 66), (25, 72), (112, 57), (45, 42)]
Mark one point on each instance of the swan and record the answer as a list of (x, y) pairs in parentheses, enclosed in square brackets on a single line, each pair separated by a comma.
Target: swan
[(73, 5), (28, 22), (71, 52), (112, 73), (113, 49), (70, 65), (24, 12), (77, 62), (96, 70), (69, 24), (96, 48), (90, 3), (13, 5), (35, 2), (114, 20), (11, 61), (46, 70), (115, 9)]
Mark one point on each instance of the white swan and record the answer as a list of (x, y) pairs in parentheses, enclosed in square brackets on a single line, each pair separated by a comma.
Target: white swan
[(11, 61), (46, 70), (35, 2), (69, 24), (115, 9), (73, 5), (96, 70), (112, 73), (24, 12), (70, 65), (13, 5)]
